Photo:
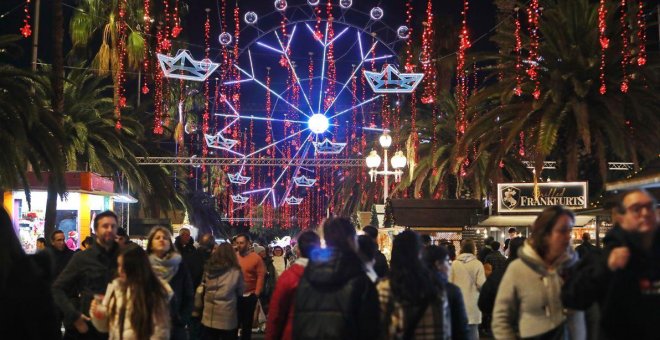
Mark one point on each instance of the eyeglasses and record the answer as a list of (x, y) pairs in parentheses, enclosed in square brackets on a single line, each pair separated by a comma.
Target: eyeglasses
[(636, 209)]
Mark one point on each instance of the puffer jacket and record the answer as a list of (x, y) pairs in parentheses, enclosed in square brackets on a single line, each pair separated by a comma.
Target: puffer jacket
[(222, 287), (335, 299), (528, 298), (468, 274)]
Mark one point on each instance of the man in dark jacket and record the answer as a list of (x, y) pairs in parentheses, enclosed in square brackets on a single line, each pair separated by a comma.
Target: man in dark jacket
[(88, 273), (495, 259), (483, 252), (380, 267), (335, 298), (586, 247), (60, 254), (625, 279)]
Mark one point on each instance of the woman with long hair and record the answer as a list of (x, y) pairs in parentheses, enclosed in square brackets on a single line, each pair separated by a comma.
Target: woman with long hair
[(223, 284), (135, 303), (528, 303), (413, 302), (167, 264)]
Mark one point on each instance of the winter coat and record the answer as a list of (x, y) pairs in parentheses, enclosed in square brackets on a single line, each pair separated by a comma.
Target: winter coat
[(496, 260), (488, 291), (193, 257), (380, 266), (280, 266), (59, 259), (280, 312), (116, 297), (89, 272), (27, 311), (434, 323), (629, 298), (181, 304), (585, 249), (528, 298), (270, 279), (468, 274), (335, 299), (222, 287)]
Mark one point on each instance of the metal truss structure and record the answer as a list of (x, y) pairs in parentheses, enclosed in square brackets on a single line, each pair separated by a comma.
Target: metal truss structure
[(614, 166), (240, 162)]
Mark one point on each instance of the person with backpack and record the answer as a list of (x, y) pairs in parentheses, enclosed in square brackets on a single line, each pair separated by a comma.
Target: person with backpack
[(413, 301)]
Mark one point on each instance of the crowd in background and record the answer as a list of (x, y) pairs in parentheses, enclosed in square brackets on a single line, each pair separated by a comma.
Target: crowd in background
[(335, 283)]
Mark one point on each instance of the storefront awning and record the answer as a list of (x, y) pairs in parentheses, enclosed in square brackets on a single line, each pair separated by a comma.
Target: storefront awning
[(525, 220)]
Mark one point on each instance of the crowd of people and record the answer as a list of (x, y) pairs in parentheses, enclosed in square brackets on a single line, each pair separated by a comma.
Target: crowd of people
[(334, 283)]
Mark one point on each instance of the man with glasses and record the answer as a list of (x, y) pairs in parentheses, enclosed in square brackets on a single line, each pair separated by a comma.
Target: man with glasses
[(625, 280)]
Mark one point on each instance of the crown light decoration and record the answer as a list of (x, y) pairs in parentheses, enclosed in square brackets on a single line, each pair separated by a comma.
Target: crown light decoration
[(303, 181), (239, 199), (293, 200), (183, 66), (328, 148), (218, 141), (237, 178), (390, 80)]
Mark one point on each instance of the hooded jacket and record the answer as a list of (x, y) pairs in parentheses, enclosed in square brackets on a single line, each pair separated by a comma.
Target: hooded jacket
[(335, 299), (222, 287), (280, 313), (468, 274), (629, 299), (528, 298)]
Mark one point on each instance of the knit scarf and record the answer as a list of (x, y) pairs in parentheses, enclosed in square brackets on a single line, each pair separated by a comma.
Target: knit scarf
[(166, 267)]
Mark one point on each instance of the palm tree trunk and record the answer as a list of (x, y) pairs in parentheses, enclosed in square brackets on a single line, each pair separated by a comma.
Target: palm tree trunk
[(57, 102), (572, 163)]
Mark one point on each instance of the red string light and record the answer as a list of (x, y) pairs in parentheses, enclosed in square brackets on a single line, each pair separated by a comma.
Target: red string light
[(26, 29), (464, 44), (332, 68), (641, 34), (521, 151), (206, 114), (625, 53), (604, 42), (518, 51), (533, 14), (121, 76), (427, 56), (146, 27), (158, 87)]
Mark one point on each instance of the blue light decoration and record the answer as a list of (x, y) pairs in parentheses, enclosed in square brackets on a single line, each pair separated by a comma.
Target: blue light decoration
[(239, 199), (313, 119), (390, 80), (225, 38), (293, 200), (328, 148), (183, 66), (303, 181), (239, 179)]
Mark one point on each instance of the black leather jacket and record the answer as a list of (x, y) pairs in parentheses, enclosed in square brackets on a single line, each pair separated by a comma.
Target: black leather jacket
[(335, 299)]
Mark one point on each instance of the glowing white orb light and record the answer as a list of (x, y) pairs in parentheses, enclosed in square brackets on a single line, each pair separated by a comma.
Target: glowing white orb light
[(345, 4), (403, 32), (280, 5), (225, 38), (318, 123), (313, 2), (250, 18), (376, 13)]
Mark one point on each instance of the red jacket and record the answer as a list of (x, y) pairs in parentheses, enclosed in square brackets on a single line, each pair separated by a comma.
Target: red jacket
[(280, 311)]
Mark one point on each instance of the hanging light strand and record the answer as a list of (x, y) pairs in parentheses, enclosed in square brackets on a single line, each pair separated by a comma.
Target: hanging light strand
[(518, 51), (625, 42), (464, 44), (120, 91), (604, 42), (26, 29), (206, 114), (641, 34), (428, 66), (533, 14)]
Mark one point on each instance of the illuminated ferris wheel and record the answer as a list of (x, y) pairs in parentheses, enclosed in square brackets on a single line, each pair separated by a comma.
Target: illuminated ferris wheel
[(302, 81)]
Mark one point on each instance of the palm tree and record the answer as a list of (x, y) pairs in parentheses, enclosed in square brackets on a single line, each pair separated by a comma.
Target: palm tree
[(29, 133), (571, 121)]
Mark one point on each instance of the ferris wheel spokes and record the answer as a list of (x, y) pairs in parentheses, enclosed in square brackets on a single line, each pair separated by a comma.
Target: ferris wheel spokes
[(293, 69), (325, 50)]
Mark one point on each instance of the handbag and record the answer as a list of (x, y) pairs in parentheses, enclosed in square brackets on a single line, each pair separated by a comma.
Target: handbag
[(198, 301)]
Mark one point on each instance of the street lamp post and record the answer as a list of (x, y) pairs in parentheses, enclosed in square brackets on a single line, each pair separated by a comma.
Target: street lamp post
[(398, 163)]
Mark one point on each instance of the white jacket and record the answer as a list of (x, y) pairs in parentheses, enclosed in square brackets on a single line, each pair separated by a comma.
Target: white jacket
[(529, 298), (468, 274), (115, 294)]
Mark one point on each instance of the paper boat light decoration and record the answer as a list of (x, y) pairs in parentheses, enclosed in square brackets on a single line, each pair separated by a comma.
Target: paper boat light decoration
[(183, 66), (303, 181), (237, 178), (239, 199), (293, 200), (327, 147), (218, 141), (390, 80)]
